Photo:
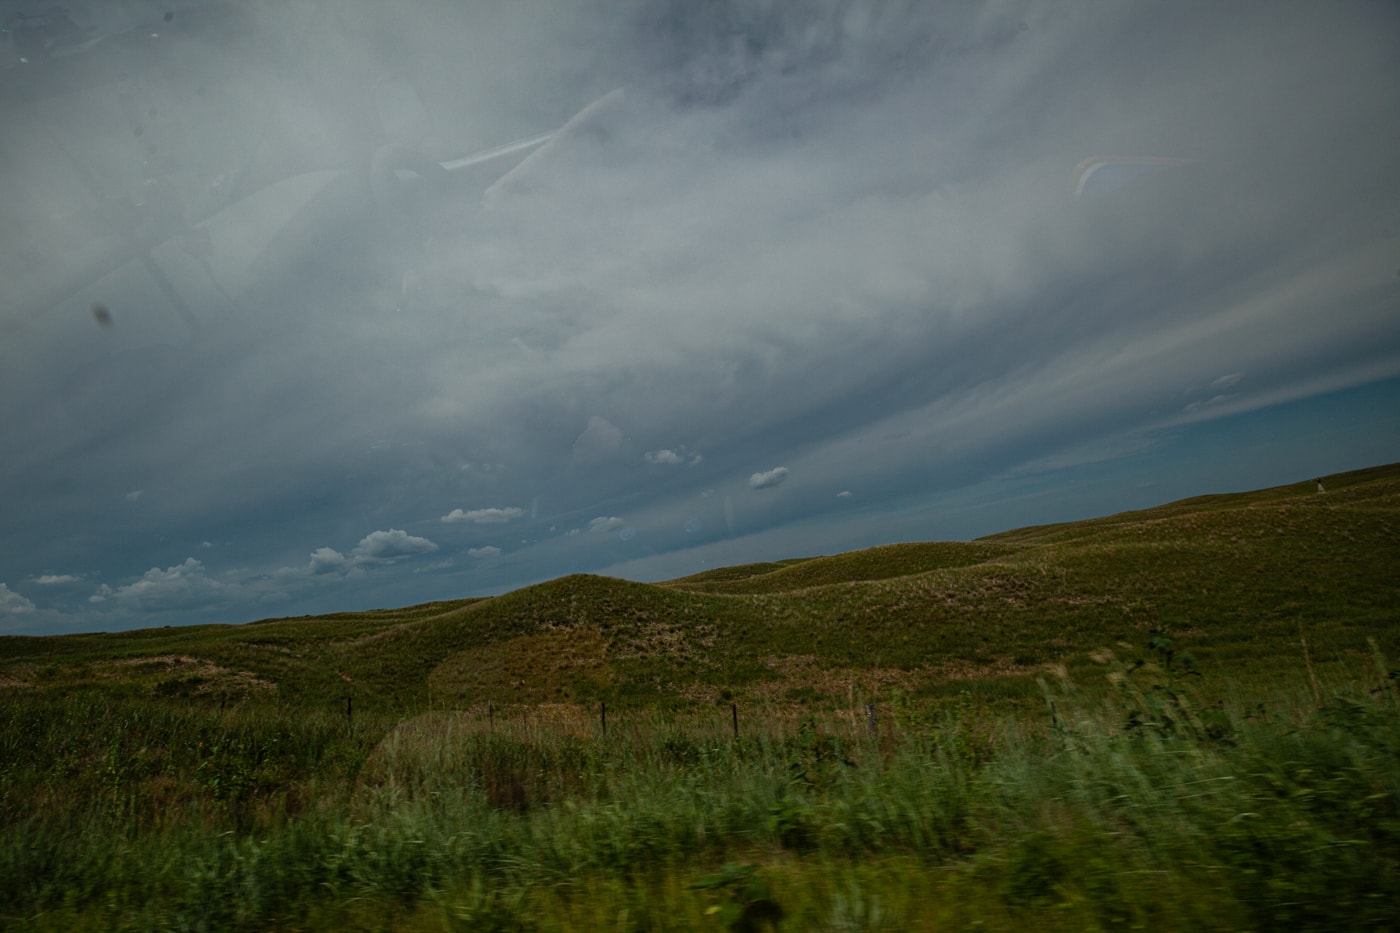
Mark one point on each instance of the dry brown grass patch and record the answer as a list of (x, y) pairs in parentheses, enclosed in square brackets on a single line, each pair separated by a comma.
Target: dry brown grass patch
[(531, 669)]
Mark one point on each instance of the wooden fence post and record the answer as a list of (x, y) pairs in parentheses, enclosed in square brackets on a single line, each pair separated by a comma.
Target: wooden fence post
[(603, 713), (734, 712)]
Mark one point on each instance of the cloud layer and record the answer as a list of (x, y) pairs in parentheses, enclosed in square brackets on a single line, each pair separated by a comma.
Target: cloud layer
[(840, 236)]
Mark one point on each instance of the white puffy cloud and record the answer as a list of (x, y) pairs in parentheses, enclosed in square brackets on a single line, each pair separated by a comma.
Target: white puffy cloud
[(488, 551), (377, 547), (178, 587), (12, 603), (671, 457), (384, 546), (768, 478), (605, 523), (327, 560), (484, 516), (55, 579)]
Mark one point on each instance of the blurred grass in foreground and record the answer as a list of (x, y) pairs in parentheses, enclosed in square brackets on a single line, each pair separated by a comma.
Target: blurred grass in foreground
[(1140, 805)]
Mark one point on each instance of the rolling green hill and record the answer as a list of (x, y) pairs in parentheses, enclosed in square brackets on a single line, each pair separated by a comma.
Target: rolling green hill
[(1178, 718), (1240, 580)]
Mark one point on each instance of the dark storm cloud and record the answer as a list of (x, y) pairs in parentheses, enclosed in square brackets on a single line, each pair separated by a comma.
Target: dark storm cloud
[(838, 236)]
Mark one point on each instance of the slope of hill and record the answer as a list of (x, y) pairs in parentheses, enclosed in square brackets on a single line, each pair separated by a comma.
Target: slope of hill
[(1238, 579), (877, 563)]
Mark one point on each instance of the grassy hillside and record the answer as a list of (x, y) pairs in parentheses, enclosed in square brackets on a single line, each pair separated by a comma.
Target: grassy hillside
[(1239, 580), (877, 563), (1179, 718)]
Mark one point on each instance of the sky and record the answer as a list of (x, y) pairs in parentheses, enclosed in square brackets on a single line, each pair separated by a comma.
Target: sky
[(311, 307)]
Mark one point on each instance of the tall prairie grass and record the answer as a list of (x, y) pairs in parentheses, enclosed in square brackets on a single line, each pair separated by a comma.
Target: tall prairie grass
[(1145, 805)]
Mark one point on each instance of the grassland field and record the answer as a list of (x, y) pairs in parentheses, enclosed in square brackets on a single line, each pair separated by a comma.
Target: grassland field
[(1179, 718)]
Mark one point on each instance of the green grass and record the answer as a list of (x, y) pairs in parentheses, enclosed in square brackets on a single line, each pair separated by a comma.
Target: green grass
[(1180, 718), (878, 563), (1143, 805)]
